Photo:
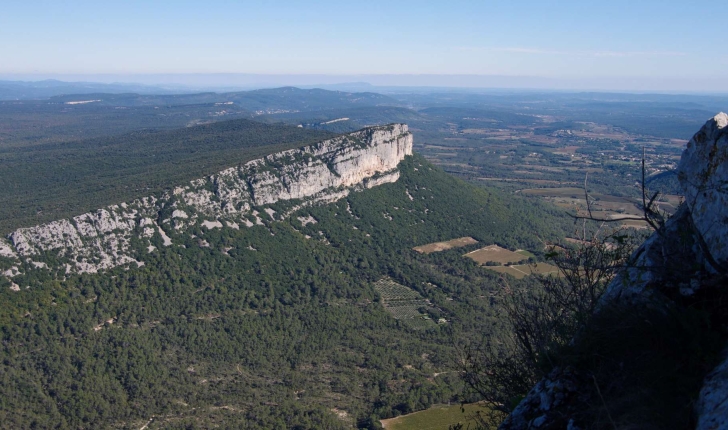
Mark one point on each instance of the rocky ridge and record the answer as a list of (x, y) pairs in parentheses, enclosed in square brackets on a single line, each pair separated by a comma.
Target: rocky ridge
[(683, 264), (235, 197)]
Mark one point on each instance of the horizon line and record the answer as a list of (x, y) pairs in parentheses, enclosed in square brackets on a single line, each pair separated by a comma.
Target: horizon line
[(196, 80)]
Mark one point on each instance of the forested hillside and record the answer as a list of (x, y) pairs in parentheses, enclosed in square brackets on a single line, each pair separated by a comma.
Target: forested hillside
[(275, 325)]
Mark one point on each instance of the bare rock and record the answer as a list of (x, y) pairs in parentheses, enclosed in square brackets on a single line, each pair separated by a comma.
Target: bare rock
[(703, 175)]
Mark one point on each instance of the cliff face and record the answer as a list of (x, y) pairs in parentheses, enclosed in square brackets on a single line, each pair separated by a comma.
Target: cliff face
[(682, 266), (697, 233), (235, 197)]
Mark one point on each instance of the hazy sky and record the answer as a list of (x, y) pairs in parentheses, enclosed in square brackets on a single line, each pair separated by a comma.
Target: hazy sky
[(665, 42)]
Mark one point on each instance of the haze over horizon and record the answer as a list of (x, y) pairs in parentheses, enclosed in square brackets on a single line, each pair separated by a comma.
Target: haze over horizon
[(572, 45)]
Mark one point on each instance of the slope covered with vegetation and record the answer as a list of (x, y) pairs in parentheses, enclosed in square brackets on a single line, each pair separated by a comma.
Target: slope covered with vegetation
[(276, 325)]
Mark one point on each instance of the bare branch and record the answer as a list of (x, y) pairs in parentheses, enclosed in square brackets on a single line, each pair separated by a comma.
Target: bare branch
[(586, 195), (650, 213)]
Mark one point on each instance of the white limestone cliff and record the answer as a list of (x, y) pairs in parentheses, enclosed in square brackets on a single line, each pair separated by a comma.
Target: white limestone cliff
[(323, 172)]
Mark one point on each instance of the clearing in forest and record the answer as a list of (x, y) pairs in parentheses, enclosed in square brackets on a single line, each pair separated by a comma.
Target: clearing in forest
[(404, 303), (555, 192), (522, 270), (443, 246), (438, 417), (496, 254)]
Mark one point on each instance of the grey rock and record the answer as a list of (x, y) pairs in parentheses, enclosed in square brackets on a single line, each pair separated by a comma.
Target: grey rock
[(703, 175), (320, 173), (712, 407)]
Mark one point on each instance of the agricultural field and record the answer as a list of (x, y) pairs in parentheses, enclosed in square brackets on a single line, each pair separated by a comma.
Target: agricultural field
[(604, 206), (438, 417), (520, 271), (443, 246), (636, 224), (404, 303), (496, 254), (540, 269), (573, 192), (576, 241), (522, 150)]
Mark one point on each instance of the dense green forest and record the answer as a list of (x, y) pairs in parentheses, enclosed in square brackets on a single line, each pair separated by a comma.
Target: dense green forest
[(31, 123), (48, 181), (273, 326)]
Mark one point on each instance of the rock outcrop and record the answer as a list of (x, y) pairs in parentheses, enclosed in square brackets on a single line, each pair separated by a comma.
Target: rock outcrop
[(323, 172), (671, 268)]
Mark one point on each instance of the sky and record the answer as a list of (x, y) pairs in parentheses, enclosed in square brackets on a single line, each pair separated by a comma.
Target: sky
[(615, 44)]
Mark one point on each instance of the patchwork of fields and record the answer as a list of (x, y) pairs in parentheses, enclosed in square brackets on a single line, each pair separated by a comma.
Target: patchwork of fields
[(603, 206), (404, 303), (496, 254)]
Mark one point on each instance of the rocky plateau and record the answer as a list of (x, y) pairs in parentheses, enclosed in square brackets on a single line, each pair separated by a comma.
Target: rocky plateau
[(237, 197)]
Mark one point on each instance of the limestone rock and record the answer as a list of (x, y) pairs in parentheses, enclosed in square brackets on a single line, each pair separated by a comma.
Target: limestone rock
[(548, 404), (320, 173), (698, 230), (703, 175), (6, 250)]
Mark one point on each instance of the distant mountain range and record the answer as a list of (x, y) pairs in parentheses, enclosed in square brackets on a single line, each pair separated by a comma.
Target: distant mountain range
[(36, 90), (273, 100)]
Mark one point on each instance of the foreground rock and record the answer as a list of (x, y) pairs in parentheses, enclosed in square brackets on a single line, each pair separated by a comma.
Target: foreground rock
[(234, 197), (681, 265)]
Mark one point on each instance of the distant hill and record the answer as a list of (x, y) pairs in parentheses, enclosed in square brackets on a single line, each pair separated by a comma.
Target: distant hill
[(80, 116), (344, 120), (272, 100), (38, 90), (37, 122)]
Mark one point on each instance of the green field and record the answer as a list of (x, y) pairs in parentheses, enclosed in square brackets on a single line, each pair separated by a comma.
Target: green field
[(442, 246), (404, 303), (520, 271), (494, 253), (555, 192), (438, 417), (526, 253)]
